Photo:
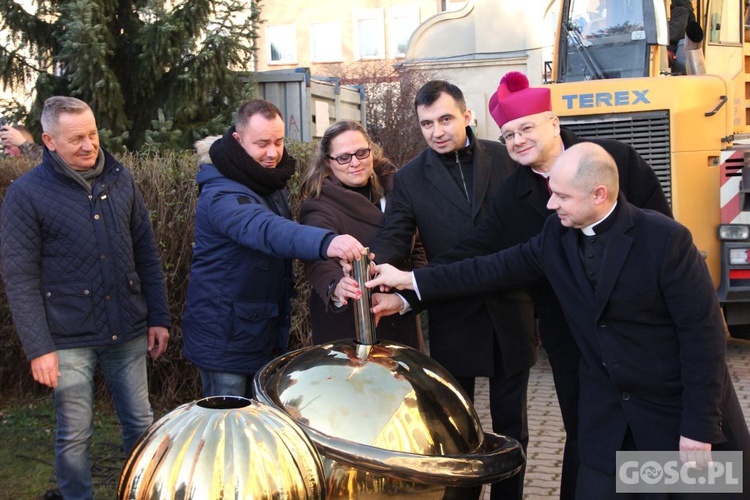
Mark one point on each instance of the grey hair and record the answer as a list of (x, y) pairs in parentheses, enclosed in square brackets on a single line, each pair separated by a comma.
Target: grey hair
[(57, 105)]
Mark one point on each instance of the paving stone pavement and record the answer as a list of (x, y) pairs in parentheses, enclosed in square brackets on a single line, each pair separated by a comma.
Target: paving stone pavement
[(546, 434)]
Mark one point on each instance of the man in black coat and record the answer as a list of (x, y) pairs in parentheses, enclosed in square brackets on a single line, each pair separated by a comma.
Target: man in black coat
[(534, 140), (444, 192), (642, 308)]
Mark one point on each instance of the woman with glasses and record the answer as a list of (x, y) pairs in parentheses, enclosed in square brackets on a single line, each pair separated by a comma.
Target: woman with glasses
[(346, 190)]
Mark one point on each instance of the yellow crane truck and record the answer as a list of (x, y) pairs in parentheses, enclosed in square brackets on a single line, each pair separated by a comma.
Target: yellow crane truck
[(610, 78)]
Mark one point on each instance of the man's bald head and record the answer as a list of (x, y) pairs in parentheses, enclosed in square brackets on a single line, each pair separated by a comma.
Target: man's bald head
[(584, 184), (594, 165)]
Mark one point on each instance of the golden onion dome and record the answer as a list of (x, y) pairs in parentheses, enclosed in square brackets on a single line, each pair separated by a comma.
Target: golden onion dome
[(223, 447)]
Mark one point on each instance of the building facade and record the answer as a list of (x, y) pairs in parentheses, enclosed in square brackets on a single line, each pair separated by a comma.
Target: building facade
[(325, 34), (477, 44)]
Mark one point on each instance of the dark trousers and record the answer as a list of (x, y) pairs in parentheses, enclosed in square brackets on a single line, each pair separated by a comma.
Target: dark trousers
[(508, 411), (564, 362), (593, 483)]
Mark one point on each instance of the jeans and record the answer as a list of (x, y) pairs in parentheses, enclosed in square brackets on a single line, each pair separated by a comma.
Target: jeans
[(226, 384), (124, 369)]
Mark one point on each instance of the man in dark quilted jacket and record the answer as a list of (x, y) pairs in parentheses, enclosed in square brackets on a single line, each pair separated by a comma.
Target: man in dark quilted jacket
[(84, 284)]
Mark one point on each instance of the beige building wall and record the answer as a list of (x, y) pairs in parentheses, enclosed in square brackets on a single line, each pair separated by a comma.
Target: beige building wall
[(488, 38), (319, 34)]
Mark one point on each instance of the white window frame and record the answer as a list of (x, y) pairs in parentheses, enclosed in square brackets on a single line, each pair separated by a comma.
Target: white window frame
[(282, 32), (454, 5), (410, 12), (377, 16), (331, 47)]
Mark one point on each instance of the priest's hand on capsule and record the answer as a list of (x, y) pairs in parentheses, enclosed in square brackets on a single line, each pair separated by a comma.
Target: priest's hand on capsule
[(386, 277), (385, 304)]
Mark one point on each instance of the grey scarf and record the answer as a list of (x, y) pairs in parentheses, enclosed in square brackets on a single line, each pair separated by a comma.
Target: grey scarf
[(86, 177)]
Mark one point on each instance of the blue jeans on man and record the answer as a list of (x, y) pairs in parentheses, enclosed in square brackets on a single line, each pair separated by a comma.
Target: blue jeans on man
[(124, 370)]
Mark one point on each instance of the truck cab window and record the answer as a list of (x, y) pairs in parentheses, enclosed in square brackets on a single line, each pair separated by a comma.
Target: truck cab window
[(724, 25), (605, 39)]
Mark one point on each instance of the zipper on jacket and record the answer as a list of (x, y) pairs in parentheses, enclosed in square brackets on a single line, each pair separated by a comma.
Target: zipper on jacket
[(463, 181)]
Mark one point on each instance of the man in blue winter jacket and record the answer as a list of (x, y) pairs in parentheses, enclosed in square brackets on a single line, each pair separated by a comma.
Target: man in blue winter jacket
[(84, 284), (238, 310)]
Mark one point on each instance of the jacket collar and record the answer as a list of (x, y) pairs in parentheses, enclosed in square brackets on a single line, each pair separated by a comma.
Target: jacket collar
[(111, 166), (441, 179), (568, 137), (530, 188), (350, 202)]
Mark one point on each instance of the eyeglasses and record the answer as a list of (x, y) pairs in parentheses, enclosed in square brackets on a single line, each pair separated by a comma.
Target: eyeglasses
[(345, 158), (524, 131)]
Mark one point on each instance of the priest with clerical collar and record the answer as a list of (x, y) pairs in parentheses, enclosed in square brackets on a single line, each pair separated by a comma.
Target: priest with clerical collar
[(653, 373)]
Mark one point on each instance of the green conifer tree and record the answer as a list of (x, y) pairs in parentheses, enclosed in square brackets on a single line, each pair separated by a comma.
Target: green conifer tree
[(131, 59)]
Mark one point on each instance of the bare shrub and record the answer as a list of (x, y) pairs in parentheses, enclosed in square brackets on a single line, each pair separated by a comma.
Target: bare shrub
[(301, 331), (391, 120), (167, 182)]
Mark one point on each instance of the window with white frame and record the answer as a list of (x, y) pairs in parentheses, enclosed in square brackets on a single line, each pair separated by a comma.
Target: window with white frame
[(325, 42), (369, 33), (402, 21), (451, 5), (282, 43)]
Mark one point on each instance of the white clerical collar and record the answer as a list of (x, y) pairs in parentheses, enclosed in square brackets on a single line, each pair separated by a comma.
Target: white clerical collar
[(589, 230)]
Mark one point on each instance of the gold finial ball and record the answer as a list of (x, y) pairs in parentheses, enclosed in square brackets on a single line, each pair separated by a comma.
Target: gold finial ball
[(223, 447)]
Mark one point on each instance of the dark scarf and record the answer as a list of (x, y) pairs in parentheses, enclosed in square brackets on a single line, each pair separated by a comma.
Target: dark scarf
[(86, 177), (234, 163)]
